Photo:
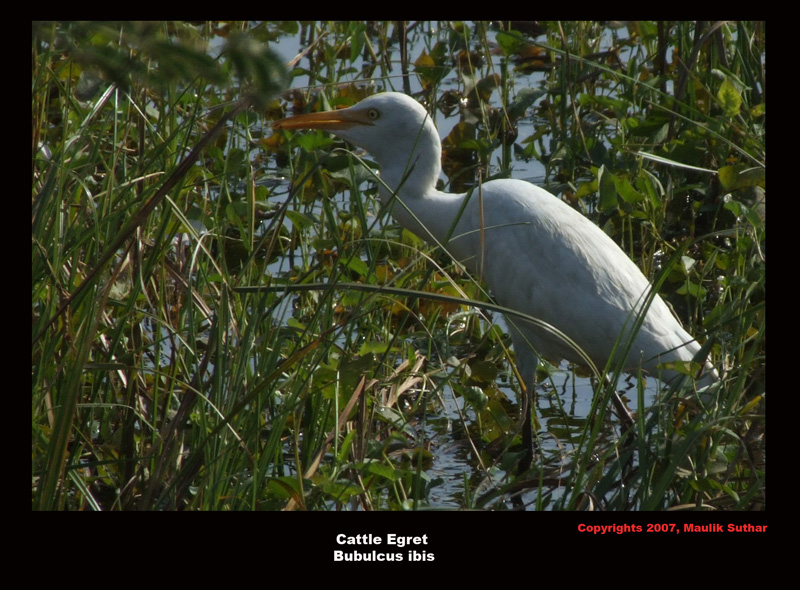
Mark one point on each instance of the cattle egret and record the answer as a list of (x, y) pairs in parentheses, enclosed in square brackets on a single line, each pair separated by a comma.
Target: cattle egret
[(538, 255)]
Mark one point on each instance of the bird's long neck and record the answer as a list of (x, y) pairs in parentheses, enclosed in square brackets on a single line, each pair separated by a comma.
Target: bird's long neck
[(422, 209)]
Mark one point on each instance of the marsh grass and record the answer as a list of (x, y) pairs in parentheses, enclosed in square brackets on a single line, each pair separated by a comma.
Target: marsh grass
[(207, 338)]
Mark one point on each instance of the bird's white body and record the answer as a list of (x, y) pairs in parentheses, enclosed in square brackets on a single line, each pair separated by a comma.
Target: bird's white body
[(537, 254)]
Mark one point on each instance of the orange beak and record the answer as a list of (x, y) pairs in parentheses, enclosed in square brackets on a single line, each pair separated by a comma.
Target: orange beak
[(333, 120)]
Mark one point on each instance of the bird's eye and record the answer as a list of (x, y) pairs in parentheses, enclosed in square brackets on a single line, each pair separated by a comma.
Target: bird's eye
[(374, 114)]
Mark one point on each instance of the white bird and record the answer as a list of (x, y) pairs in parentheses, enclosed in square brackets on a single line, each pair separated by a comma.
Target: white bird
[(537, 254)]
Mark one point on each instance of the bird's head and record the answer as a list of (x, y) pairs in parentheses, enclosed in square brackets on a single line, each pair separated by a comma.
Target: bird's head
[(390, 126)]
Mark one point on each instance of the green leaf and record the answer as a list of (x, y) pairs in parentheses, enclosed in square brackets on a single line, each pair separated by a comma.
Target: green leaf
[(359, 267), (627, 191), (511, 42), (373, 348), (608, 190), (383, 471), (432, 67), (357, 36), (300, 220), (742, 176), (693, 289), (476, 398), (524, 99), (729, 98)]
